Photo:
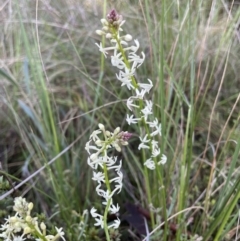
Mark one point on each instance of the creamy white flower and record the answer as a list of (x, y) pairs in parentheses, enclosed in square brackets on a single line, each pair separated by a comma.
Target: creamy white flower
[(140, 94), (118, 187), (136, 59), (16, 238), (153, 123), (89, 147), (116, 223), (148, 109), (130, 103), (163, 160), (117, 179), (104, 50), (94, 135), (149, 163), (94, 213), (143, 143), (158, 130), (154, 144), (100, 191), (117, 61), (125, 78), (110, 160), (60, 233), (134, 49), (131, 120), (98, 176), (95, 163), (99, 221), (156, 152), (108, 197), (114, 209), (146, 87)]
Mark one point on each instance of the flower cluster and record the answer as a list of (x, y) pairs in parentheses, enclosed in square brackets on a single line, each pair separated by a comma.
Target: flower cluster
[(97, 147), (126, 59), (23, 226)]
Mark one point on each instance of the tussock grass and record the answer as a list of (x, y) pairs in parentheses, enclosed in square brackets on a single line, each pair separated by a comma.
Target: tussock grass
[(55, 89)]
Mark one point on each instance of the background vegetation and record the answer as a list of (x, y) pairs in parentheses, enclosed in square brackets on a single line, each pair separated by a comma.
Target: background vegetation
[(54, 93)]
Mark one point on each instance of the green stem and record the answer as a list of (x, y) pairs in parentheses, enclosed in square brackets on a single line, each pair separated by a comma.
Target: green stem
[(108, 202)]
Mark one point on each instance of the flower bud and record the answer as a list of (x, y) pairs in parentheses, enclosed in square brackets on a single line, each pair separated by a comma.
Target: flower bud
[(101, 126), (108, 35), (118, 148), (13, 220), (30, 206), (128, 37), (98, 142), (105, 28), (94, 156), (43, 226), (28, 219), (100, 32), (104, 22), (116, 131), (27, 230)]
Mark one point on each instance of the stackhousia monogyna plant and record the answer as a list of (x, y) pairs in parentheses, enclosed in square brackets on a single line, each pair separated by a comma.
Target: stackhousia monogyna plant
[(124, 57)]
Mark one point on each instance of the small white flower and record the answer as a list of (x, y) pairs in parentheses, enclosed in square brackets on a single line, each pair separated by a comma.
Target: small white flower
[(163, 160), (114, 209), (148, 109), (98, 176), (100, 191), (104, 50), (153, 123), (117, 61), (156, 152), (130, 103), (158, 131), (131, 120), (99, 221), (94, 135), (146, 87), (89, 147), (60, 233), (154, 144), (95, 163), (125, 78), (115, 224), (109, 160), (137, 61), (94, 213), (143, 143), (134, 49), (117, 179), (118, 187), (17, 238), (149, 163), (140, 94)]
